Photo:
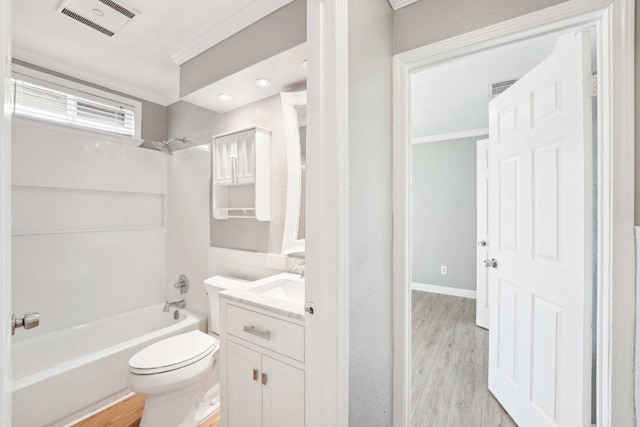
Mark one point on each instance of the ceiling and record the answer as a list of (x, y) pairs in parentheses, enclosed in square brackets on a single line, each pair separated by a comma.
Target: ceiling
[(143, 58), (454, 96), (284, 71)]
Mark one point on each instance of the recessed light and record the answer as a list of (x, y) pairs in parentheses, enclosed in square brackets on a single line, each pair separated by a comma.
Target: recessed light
[(304, 64), (224, 97), (263, 82), (98, 12)]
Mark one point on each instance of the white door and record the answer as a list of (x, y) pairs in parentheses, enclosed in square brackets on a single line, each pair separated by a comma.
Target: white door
[(540, 204), (482, 203), (244, 394), (282, 394)]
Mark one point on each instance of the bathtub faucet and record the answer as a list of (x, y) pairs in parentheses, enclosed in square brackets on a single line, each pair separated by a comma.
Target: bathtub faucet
[(177, 304)]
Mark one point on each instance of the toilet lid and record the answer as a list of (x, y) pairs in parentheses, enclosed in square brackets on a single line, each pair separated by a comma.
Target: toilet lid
[(173, 353)]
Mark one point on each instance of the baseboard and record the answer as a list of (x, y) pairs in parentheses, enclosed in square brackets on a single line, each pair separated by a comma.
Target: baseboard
[(444, 290)]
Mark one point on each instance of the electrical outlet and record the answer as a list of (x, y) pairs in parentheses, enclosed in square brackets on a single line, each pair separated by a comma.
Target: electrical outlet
[(443, 269)]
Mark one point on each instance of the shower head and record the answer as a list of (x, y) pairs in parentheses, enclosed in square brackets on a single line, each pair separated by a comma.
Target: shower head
[(163, 146), (183, 140)]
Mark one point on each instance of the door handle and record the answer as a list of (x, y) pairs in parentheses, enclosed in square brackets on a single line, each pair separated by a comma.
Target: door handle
[(482, 243), (491, 263), (30, 320)]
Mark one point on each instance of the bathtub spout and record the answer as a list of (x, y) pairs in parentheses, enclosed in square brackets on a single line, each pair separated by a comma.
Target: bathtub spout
[(177, 304)]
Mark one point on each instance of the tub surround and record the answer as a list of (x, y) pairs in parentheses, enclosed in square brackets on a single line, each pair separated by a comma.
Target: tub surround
[(188, 225), (89, 212)]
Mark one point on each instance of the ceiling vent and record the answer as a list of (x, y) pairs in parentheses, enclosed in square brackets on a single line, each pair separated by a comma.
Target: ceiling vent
[(497, 88), (105, 16)]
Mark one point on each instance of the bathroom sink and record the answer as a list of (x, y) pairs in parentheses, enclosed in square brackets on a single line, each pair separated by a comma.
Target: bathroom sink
[(284, 289), (282, 293)]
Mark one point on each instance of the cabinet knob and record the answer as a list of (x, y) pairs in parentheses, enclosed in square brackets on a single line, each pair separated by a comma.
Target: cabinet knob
[(255, 375), (264, 379)]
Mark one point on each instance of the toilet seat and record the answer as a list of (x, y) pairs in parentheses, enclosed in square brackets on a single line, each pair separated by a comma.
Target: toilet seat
[(173, 353)]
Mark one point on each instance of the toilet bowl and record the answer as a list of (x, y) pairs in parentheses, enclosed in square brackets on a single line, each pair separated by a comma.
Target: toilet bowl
[(180, 375)]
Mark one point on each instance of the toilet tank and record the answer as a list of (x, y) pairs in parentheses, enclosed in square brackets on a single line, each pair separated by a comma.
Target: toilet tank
[(214, 285)]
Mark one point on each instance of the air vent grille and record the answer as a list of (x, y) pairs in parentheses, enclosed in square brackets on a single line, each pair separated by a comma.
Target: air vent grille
[(115, 6), (496, 89), (87, 22)]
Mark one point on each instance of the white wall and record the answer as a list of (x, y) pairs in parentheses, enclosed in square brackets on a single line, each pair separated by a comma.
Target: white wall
[(89, 226)]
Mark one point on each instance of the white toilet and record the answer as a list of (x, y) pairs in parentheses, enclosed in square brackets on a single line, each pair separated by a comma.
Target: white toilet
[(179, 375)]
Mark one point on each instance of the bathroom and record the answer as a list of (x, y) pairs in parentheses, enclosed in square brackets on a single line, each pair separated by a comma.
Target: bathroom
[(125, 222), (96, 232)]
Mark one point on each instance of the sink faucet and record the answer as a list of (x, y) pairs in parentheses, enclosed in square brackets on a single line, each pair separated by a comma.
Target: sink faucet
[(298, 269), (177, 304)]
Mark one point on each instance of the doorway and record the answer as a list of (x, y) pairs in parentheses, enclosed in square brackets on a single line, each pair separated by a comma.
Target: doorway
[(452, 178), (406, 67)]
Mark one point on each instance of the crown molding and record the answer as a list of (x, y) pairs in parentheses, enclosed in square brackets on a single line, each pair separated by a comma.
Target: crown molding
[(114, 85), (240, 20), (397, 4)]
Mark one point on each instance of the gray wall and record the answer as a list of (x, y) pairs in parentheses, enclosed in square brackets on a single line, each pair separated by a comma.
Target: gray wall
[(154, 116), (444, 213), (429, 21), (199, 125), (370, 208), (276, 33)]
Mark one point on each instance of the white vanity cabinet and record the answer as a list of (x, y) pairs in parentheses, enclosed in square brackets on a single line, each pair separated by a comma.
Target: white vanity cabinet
[(262, 367)]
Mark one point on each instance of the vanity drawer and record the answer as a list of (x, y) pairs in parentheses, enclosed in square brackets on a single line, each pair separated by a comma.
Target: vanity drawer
[(275, 334)]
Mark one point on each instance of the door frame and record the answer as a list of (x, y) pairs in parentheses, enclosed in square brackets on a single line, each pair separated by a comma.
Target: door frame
[(327, 226), (614, 20), (5, 214)]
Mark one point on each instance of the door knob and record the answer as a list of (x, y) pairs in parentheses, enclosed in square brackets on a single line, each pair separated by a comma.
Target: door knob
[(491, 263), (30, 320)]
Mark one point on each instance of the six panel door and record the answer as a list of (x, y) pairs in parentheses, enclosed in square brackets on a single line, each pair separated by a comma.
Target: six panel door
[(540, 233)]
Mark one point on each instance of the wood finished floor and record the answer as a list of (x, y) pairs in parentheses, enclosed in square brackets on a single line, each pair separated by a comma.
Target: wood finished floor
[(449, 356), (128, 414)]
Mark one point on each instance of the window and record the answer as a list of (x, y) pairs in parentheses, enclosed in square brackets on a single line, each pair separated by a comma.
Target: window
[(47, 101)]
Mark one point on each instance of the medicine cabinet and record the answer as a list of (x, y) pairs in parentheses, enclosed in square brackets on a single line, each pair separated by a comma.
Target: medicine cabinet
[(241, 174)]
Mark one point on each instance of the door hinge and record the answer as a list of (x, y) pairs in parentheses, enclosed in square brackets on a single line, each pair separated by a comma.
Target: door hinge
[(594, 84)]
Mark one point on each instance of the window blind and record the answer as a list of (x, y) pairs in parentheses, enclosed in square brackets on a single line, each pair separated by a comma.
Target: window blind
[(52, 105)]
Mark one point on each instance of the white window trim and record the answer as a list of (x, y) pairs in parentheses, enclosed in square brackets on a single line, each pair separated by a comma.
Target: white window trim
[(30, 75)]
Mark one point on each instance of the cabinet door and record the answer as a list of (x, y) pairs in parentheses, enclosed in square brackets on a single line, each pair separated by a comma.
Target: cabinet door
[(282, 394), (244, 407)]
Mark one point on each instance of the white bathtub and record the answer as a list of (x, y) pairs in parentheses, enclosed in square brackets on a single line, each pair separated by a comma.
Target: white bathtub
[(63, 375)]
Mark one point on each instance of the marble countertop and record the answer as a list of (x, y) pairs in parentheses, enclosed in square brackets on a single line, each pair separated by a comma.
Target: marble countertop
[(245, 295)]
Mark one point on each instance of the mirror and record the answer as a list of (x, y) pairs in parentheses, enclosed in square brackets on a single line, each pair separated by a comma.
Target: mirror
[(294, 107)]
